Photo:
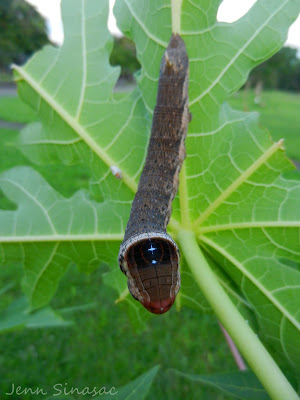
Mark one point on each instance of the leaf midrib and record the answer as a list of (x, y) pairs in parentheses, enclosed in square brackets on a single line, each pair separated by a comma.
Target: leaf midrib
[(75, 125), (238, 182), (62, 238), (248, 225)]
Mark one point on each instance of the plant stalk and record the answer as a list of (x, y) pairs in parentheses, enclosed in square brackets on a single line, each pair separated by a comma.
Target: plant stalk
[(258, 358), (176, 15)]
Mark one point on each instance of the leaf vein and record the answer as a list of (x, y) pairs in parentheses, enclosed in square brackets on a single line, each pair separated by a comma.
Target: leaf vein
[(144, 28), (256, 283), (239, 181), (239, 52)]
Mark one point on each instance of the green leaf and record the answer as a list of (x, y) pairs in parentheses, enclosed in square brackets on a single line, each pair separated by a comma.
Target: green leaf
[(48, 232), (16, 316), (238, 193), (14, 110), (81, 121), (137, 389), (240, 385)]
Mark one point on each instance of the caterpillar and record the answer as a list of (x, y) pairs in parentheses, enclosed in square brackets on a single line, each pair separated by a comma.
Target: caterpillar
[(148, 256)]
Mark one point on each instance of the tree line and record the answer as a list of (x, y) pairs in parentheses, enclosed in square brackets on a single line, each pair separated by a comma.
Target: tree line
[(281, 72)]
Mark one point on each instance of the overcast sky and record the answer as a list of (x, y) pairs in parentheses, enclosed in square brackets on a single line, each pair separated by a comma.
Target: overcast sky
[(229, 11)]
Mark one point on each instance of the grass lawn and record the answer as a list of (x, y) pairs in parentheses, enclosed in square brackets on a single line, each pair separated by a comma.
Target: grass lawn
[(102, 348)]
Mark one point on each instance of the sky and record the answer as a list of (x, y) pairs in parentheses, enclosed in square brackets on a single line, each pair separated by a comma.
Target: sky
[(229, 11)]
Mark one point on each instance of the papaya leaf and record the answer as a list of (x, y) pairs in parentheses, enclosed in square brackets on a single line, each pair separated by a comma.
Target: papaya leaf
[(49, 232), (238, 193)]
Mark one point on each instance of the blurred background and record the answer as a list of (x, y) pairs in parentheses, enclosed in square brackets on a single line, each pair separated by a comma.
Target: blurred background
[(83, 338)]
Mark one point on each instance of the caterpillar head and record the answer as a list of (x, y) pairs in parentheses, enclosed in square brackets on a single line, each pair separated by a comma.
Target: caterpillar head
[(151, 264)]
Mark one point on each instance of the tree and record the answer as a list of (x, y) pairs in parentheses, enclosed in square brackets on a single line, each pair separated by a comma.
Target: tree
[(23, 31), (278, 72)]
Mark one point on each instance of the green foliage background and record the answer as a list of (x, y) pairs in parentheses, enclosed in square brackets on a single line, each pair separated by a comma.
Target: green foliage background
[(238, 193)]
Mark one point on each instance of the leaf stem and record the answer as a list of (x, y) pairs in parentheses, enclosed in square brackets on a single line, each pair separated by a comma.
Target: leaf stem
[(246, 340), (176, 14)]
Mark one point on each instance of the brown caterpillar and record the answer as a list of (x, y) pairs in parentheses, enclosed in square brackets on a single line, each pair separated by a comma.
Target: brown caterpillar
[(148, 256)]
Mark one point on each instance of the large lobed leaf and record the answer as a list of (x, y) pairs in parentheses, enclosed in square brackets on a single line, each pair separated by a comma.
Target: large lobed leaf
[(237, 190)]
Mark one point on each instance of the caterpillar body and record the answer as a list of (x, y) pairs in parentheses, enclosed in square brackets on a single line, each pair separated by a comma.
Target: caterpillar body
[(148, 256)]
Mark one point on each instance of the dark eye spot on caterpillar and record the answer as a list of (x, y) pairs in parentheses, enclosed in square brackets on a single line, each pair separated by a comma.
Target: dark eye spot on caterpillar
[(148, 256)]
